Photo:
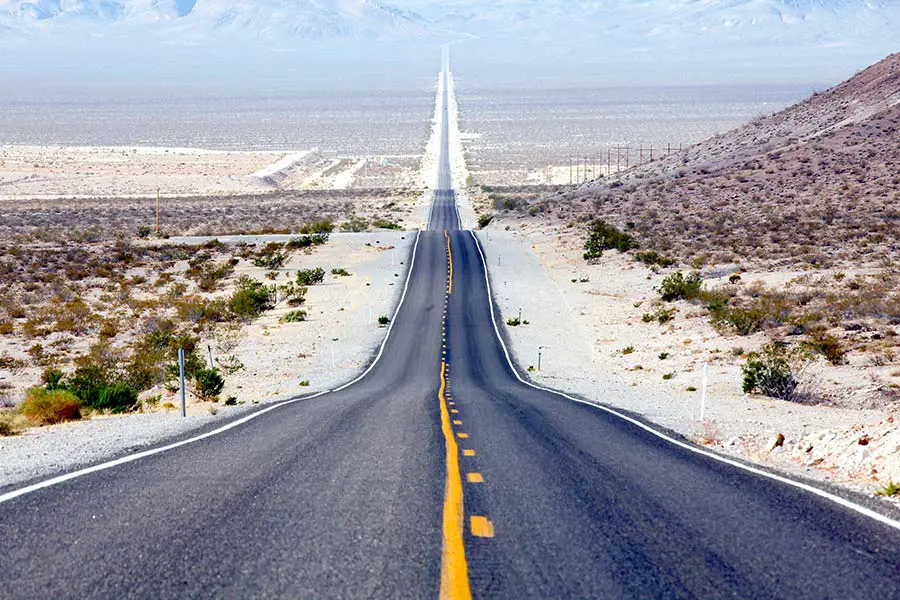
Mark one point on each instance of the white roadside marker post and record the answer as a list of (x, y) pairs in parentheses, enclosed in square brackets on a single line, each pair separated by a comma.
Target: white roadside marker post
[(181, 376), (332, 355), (703, 391)]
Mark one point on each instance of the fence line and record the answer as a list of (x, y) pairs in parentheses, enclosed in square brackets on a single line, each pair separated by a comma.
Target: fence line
[(617, 158)]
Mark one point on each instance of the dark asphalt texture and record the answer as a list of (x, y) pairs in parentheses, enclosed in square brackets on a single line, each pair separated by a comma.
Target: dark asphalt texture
[(341, 496)]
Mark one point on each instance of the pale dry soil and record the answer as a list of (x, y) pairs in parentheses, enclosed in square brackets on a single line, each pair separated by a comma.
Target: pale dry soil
[(48, 172), (581, 329)]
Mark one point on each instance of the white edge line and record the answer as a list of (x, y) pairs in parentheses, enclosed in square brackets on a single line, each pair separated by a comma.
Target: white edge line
[(689, 447), (133, 457)]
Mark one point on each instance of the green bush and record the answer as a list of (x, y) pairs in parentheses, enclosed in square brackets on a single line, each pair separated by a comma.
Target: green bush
[(745, 321), (293, 294), (678, 287), (271, 257), (341, 272), (311, 276), (828, 346), (116, 397), (603, 236), (323, 226), (251, 298), (662, 315), (771, 372), (307, 241), (295, 316), (355, 224), (485, 220), (652, 257), (46, 407), (383, 320), (386, 224), (208, 384)]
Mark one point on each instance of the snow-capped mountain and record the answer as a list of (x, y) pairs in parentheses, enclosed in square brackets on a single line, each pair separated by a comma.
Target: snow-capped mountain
[(299, 19), (812, 39)]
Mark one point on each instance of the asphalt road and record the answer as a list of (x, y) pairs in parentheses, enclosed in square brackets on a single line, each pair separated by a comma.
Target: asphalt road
[(351, 494)]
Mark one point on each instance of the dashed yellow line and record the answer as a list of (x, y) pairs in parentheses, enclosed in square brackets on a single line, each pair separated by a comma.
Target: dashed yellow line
[(450, 263), (474, 478), (481, 527), (468, 452)]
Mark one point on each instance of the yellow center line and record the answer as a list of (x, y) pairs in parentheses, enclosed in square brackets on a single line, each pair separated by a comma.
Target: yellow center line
[(454, 570), (474, 478), (450, 263), (468, 453)]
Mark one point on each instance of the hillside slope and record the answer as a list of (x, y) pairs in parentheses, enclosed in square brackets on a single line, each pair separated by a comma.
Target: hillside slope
[(816, 184)]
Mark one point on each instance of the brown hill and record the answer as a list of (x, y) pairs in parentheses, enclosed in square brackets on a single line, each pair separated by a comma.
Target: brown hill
[(818, 183)]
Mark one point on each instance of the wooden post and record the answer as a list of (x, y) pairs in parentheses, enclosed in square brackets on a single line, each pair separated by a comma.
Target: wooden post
[(157, 211)]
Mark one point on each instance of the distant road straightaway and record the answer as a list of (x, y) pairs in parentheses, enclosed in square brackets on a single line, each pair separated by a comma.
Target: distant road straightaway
[(439, 474)]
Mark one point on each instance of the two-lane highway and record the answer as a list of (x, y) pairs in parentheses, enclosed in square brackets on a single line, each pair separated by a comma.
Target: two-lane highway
[(438, 474)]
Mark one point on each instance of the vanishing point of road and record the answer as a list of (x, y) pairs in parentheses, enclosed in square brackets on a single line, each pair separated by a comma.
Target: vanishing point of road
[(440, 473)]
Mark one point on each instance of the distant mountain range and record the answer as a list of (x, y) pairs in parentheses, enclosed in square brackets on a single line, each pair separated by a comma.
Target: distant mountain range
[(824, 21), (810, 36)]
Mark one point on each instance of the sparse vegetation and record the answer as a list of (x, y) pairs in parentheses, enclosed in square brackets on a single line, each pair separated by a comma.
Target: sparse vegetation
[(341, 272), (383, 320)]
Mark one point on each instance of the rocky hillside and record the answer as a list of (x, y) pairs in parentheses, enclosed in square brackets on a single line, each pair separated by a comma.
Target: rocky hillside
[(816, 184)]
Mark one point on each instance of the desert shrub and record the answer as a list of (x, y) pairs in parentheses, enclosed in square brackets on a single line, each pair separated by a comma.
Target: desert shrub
[(271, 260), (603, 236), (380, 223), (52, 378), (7, 327), (307, 241), (662, 315), (116, 397), (678, 287), (311, 276), (772, 372), (514, 322), (651, 257), (383, 320), (323, 226), (293, 294), (209, 275), (11, 363), (355, 224), (294, 316), (341, 272), (485, 220), (46, 407), (745, 321), (208, 383), (10, 424), (251, 298), (828, 346)]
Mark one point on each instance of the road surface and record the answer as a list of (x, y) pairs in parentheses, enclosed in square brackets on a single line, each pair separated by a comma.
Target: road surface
[(439, 474)]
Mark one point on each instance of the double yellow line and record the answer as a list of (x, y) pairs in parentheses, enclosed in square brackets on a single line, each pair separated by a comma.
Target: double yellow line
[(454, 570)]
